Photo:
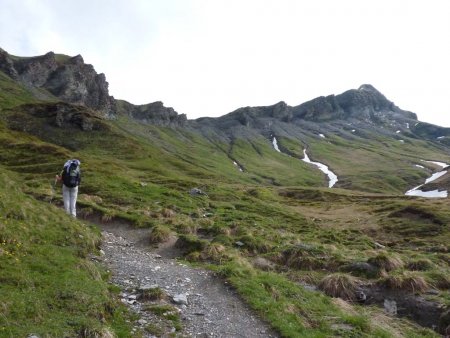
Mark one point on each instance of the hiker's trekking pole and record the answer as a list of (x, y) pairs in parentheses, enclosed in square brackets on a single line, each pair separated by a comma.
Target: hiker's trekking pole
[(53, 188)]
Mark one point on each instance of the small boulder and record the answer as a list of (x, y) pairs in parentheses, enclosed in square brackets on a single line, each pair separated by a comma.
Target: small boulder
[(390, 307), (196, 192), (180, 299)]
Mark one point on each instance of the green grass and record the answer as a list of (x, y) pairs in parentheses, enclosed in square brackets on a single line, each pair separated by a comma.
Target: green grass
[(49, 286), (12, 94)]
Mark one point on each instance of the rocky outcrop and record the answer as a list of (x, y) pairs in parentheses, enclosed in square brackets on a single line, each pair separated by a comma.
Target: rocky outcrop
[(59, 114), (66, 78), (60, 77), (365, 103), (153, 113), (7, 65)]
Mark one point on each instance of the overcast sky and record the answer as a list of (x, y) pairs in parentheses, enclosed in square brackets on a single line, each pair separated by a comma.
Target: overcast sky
[(210, 57)]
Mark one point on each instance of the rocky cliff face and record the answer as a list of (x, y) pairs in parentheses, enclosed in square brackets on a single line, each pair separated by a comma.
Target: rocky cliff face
[(67, 78), (365, 103), (364, 108), (153, 113)]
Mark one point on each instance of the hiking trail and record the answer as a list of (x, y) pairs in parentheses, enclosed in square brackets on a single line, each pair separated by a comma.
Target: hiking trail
[(206, 305)]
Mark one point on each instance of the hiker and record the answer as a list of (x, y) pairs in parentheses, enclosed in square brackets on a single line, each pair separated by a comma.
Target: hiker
[(70, 177)]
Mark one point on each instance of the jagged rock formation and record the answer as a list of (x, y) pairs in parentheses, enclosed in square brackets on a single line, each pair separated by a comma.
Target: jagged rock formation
[(365, 103), (154, 113), (60, 77), (66, 78), (364, 108)]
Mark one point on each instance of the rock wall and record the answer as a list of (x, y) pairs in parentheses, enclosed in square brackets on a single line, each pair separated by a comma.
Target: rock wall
[(67, 78), (55, 76)]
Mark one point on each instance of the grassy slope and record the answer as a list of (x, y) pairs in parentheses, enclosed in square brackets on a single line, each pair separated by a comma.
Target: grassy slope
[(374, 163), (48, 285), (140, 175), (11, 94)]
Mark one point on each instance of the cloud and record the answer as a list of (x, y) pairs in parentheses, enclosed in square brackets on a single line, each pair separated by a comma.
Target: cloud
[(210, 57)]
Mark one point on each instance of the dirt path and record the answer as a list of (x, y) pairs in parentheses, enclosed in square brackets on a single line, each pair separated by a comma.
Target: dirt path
[(210, 309)]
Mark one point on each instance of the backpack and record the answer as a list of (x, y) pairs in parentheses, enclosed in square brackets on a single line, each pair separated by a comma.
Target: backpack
[(71, 175)]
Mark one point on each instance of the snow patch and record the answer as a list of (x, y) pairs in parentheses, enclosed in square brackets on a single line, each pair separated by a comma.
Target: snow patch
[(322, 135), (275, 144), (238, 166), (419, 166), (441, 164), (435, 176), (402, 141), (440, 137), (428, 194), (407, 125), (434, 193), (331, 176), (353, 130), (398, 131)]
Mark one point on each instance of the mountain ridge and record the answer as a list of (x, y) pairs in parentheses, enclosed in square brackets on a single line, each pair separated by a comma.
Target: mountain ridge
[(71, 80)]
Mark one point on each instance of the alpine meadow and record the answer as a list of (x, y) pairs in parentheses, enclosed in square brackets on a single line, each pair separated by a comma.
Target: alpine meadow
[(234, 196)]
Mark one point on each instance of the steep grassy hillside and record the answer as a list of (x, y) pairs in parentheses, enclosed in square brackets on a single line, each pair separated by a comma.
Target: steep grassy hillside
[(49, 286)]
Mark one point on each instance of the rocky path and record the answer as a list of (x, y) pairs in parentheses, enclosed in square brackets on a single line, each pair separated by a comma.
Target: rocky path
[(205, 305)]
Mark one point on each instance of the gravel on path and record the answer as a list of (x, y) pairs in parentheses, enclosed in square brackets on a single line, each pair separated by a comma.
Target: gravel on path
[(207, 306)]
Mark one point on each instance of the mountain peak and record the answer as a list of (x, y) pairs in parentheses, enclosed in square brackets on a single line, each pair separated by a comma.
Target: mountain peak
[(368, 88)]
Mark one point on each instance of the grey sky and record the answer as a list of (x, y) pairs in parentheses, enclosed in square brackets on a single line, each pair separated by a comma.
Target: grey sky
[(209, 57)]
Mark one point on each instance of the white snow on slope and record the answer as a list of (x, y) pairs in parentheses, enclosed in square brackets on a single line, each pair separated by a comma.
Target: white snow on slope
[(434, 193), (275, 144), (331, 175), (238, 166), (441, 164)]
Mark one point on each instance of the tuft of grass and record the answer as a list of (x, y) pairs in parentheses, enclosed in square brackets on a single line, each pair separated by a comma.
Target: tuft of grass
[(190, 243), (168, 313), (387, 262), (423, 264), (438, 279), (214, 252), (159, 234), (339, 285), (153, 294), (406, 281)]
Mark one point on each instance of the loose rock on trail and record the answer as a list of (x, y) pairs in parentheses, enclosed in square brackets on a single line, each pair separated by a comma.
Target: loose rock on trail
[(206, 305)]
